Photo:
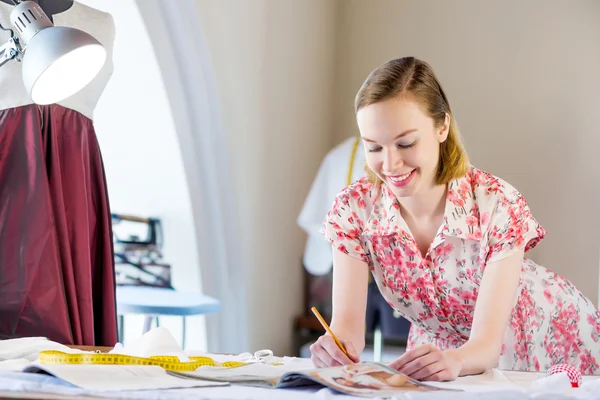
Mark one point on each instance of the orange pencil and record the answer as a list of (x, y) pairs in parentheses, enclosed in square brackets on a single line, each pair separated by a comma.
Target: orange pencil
[(328, 329)]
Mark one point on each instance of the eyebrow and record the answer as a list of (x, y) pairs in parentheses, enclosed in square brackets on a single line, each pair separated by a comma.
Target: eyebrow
[(397, 136)]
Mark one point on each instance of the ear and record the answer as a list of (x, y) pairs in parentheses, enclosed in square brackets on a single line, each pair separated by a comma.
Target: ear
[(444, 130)]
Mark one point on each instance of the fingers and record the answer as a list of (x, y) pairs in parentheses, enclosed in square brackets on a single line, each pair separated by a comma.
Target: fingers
[(326, 353), (429, 371), (441, 376), (352, 353), (420, 363), (321, 359), (427, 363), (412, 355)]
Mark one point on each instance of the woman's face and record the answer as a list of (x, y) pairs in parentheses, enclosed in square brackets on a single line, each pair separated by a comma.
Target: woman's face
[(402, 144)]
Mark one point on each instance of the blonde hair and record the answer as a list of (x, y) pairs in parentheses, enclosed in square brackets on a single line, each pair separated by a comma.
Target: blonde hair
[(415, 79)]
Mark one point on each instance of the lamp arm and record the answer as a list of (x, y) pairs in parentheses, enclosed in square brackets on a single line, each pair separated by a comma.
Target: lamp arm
[(11, 49)]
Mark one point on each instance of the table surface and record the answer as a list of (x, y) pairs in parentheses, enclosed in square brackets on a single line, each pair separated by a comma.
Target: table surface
[(158, 301), (522, 380), (254, 393)]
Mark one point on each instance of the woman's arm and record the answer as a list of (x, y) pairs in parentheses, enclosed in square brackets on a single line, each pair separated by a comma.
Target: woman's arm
[(350, 279), (495, 301), (350, 284)]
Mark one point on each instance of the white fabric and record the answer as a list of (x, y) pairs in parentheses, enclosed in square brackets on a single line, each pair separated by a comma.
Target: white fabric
[(331, 178), (156, 342), (27, 348), (16, 354), (98, 24), (557, 383)]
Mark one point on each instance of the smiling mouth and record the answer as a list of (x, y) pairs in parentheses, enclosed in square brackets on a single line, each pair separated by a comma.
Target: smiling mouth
[(400, 178)]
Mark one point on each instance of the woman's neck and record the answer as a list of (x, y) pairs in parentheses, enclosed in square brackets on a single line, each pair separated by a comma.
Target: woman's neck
[(426, 205)]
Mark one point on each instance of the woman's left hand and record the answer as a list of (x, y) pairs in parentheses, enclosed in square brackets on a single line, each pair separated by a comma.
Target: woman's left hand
[(428, 363)]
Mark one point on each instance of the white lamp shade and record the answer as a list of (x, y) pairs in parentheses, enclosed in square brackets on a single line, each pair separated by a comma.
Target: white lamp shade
[(59, 61)]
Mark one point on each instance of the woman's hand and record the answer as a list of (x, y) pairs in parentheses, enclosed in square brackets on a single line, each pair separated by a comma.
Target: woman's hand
[(428, 363), (326, 353)]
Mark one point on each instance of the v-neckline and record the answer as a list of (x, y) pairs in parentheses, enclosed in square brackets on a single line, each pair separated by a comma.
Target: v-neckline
[(434, 242)]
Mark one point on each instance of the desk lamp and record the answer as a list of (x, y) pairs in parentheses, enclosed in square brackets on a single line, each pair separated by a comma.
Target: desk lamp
[(58, 61)]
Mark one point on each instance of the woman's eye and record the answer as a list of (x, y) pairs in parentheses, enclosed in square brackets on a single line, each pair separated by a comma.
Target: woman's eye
[(374, 149), (406, 146)]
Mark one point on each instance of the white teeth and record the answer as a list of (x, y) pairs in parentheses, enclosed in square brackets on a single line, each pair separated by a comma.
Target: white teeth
[(399, 178)]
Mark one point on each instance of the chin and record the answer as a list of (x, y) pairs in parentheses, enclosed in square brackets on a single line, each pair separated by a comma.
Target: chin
[(403, 192)]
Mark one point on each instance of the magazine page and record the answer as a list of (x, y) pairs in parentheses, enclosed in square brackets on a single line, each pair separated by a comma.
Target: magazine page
[(256, 374), (364, 379), (117, 377)]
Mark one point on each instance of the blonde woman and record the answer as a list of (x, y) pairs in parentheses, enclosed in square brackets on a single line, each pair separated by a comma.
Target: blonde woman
[(446, 244)]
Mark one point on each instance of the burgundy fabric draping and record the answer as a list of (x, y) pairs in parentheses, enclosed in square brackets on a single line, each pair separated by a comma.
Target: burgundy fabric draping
[(56, 253)]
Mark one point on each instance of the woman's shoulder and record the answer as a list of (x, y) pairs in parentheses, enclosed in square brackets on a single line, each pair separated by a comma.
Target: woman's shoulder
[(357, 201), (487, 187), (504, 214), (361, 193)]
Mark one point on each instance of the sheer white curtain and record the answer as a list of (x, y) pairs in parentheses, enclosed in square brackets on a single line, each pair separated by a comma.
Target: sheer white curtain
[(186, 66)]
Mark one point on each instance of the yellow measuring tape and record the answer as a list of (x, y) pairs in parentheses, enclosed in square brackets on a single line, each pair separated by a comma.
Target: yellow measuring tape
[(351, 170), (352, 157), (170, 363)]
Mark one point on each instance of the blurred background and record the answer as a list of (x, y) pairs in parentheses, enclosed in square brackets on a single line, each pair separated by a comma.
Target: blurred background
[(219, 115)]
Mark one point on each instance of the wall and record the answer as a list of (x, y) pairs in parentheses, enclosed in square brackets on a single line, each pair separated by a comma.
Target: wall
[(142, 157), (522, 78), (274, 62)]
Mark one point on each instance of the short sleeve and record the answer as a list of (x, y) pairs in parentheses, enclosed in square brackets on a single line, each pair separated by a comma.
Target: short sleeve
[(343, 225), (512, 226)]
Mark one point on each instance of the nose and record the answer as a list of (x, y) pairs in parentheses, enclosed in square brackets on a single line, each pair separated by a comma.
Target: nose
[(391, 161)]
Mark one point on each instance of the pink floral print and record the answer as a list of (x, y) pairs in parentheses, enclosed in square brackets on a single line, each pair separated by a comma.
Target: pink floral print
[(486, 219)]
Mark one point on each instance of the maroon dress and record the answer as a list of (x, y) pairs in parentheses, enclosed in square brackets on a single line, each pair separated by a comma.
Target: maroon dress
[(56, 257)]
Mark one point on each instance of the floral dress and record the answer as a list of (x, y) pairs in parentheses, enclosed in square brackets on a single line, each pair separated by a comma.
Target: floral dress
[(485, 220)]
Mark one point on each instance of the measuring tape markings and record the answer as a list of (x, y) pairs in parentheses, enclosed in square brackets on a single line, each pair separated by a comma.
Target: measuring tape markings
[(170, 363)]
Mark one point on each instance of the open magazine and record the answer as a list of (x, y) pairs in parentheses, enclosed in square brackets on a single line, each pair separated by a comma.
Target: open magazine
[(115, 378), (367, 379)]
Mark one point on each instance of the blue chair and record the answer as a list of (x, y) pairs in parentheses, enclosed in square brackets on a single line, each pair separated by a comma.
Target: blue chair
[(154, 302)]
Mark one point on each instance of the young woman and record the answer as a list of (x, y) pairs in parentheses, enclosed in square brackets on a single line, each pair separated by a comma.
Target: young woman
[(446, 245)]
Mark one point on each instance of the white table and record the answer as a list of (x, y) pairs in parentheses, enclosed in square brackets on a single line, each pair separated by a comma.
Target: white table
[(10, 388)]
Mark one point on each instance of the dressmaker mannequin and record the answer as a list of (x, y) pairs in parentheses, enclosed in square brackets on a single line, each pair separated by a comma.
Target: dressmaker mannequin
[(56, 256)]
